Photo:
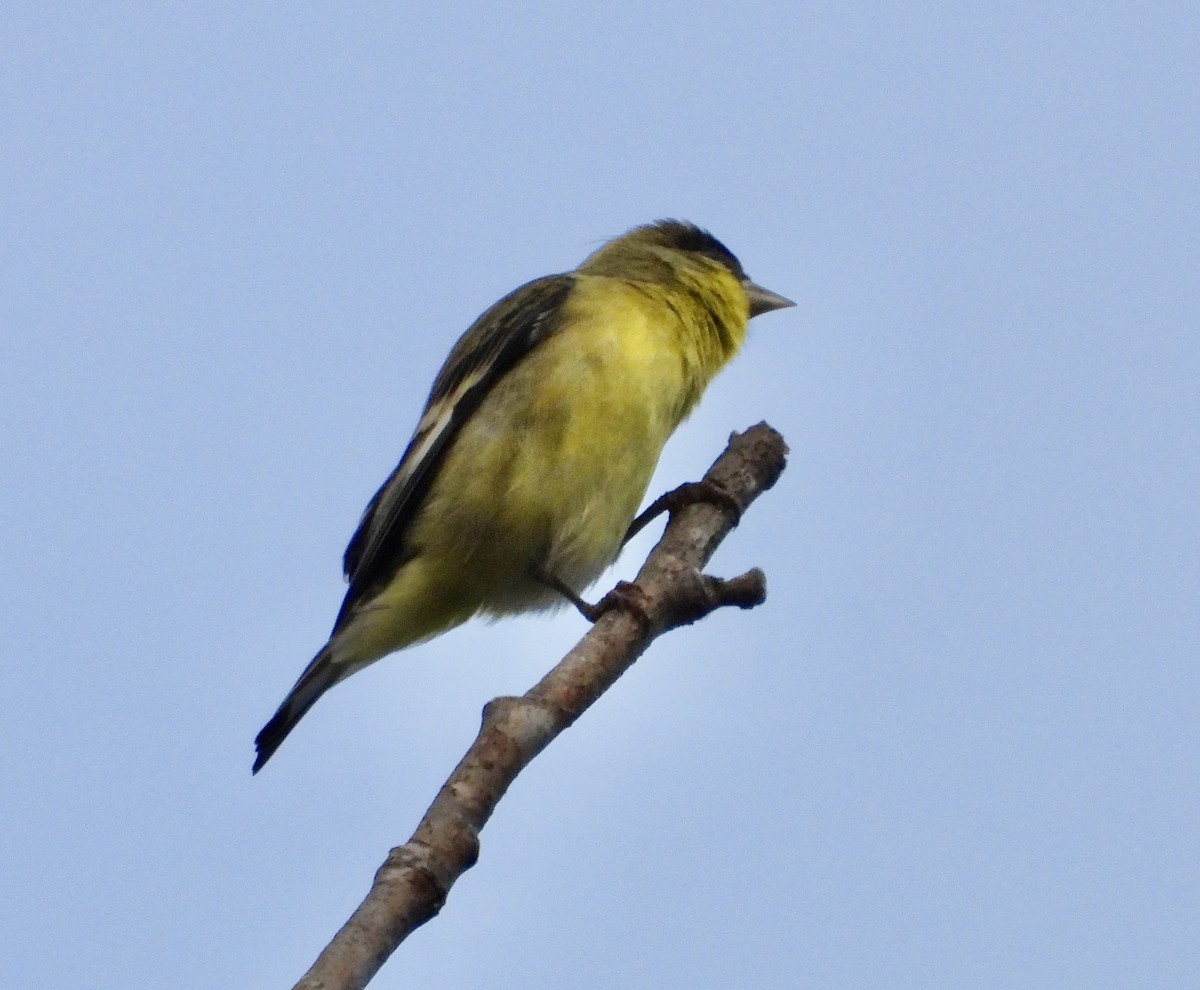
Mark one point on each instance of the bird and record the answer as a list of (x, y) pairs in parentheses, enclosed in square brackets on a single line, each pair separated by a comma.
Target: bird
[(535, 447)]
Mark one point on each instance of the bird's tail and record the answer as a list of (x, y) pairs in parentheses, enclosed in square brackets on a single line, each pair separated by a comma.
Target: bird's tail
[(318, 677)]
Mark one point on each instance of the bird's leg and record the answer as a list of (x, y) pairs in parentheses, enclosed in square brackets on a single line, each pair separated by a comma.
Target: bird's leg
[(543, 576), (689, 493), (625, 595)]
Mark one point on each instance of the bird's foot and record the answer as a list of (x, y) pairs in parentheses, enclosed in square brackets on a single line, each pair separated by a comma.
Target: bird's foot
[(689, 493), (625, 596)]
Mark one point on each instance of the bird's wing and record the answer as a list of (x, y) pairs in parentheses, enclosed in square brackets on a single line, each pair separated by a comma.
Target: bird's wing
[(491, 346)]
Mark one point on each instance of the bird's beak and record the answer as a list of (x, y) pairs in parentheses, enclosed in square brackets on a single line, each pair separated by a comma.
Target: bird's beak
[(763, 300)]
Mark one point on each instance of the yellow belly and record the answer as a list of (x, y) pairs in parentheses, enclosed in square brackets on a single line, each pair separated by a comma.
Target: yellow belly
[(547, 473), (553, 465)]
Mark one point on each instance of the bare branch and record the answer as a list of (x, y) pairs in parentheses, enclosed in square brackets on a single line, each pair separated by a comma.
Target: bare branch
[(415, 879)]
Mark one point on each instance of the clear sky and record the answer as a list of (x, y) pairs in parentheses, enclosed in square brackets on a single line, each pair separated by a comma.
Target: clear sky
[(958, 746)]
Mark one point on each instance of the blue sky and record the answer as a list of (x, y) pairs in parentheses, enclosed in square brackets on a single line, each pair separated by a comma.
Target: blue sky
[(958, 745)]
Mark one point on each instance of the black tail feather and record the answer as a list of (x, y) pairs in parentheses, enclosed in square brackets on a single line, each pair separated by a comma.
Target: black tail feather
[(318, 677)]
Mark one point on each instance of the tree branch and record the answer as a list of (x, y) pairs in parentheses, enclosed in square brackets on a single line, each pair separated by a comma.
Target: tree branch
[(412, 884)]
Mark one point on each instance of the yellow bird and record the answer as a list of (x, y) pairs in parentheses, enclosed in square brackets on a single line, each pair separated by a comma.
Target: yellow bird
[(535, 447)]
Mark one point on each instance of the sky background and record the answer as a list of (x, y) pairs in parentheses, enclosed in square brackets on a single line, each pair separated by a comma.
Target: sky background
[(958, 745)]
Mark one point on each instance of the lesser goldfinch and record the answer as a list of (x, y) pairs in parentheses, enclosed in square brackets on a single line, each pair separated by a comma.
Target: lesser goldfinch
[(535, 447)]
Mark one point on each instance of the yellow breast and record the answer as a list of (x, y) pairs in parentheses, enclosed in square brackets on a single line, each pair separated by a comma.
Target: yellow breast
[(554, 463)]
